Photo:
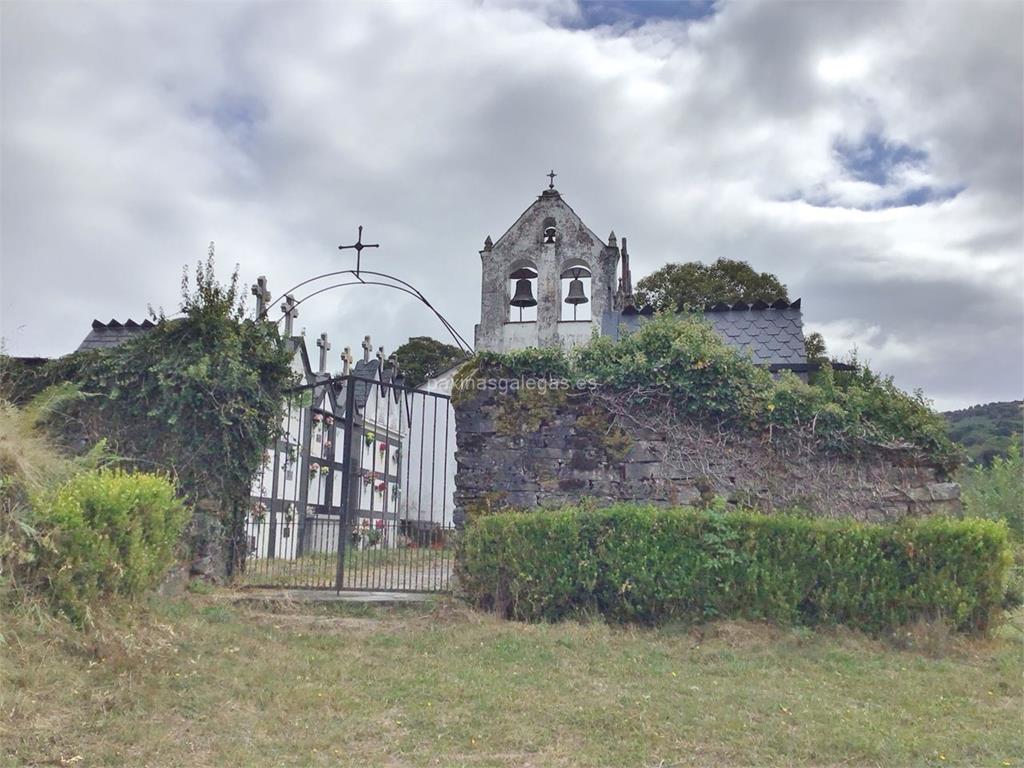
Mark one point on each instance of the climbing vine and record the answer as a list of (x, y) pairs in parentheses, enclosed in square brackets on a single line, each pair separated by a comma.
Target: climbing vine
[(676, 369), (199, 396)]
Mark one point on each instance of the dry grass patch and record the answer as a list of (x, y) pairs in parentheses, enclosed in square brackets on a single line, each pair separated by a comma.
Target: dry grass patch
[(207, 682)]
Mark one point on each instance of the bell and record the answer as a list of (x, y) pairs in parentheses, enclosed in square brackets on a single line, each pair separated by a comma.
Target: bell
[(524, 294), (576, 295)]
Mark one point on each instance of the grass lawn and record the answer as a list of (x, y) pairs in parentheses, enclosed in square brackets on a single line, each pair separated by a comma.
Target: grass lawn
[(207, 681)]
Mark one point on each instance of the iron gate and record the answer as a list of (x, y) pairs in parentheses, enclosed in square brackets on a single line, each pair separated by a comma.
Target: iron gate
[(355, 493)]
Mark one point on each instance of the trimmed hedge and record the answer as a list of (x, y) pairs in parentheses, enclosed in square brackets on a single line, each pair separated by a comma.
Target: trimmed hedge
[(105, 533), (645, 564)]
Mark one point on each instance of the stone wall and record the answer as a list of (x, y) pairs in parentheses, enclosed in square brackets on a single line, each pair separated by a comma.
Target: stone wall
[(534, 449)]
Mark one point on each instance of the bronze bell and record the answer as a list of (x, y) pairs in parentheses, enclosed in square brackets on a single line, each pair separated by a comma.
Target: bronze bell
[(524, 294), (576, 295)]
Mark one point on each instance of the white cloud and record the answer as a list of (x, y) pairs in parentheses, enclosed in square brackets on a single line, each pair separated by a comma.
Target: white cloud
[(134, 134), (843, 68)]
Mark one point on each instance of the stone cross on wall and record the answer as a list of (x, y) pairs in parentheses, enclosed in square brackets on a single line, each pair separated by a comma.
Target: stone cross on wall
[(259, 290), (290, 309), (324, 345), (367, 346), (346, 361)]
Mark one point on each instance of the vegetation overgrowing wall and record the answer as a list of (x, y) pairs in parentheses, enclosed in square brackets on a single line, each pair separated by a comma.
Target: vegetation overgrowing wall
[(198, 397), (671, 415)]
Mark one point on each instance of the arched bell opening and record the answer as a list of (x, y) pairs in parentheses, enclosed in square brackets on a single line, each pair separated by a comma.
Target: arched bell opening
[(576, 283), (549, 231), (522, 290)]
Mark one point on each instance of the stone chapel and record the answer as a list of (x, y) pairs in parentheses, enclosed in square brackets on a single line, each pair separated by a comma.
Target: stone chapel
[(550, 280)]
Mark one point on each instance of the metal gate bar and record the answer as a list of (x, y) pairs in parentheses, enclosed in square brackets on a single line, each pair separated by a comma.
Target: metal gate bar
[(327, 506)]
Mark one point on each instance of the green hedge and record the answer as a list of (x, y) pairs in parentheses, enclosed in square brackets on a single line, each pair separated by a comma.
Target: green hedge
[(647, 565), (104, 533)]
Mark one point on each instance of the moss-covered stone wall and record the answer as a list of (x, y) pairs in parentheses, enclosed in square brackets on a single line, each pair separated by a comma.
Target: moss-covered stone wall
[(530, 449)]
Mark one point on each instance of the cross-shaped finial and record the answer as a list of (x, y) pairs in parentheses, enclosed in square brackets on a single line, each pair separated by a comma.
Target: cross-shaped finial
[(324, 345), (290, 308), (346, 361), (259, 290), (380, 356), (358, 246), (367, 346), (551, 184)]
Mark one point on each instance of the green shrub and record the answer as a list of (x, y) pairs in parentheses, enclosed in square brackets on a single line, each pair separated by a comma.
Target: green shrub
[(996, 492), (648, 565), (105, 533), (30, 464)]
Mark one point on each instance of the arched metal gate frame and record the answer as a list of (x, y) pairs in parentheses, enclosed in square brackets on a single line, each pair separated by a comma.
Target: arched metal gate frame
[(386, 281), (355, 493)]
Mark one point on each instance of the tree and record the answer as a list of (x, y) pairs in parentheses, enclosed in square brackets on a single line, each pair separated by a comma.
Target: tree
[(422, 357), (694, 285), (814, 345)]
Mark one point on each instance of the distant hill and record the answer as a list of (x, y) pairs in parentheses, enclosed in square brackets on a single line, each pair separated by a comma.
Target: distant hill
[(985, 430)]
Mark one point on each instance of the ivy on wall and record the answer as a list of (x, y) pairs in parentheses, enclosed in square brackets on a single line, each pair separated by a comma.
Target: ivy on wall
[(678, 363), (199, 396)]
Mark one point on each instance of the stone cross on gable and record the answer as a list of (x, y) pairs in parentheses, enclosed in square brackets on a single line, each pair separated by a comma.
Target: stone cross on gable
[(290, 309), (259, 290), (367, 346), (380, 356), (346, 361), (324, 345)]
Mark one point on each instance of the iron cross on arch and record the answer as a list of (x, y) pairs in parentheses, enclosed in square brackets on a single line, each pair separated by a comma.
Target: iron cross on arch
[(358, 246)]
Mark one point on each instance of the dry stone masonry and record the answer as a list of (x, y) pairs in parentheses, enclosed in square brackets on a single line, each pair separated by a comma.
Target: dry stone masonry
[(532, 449)]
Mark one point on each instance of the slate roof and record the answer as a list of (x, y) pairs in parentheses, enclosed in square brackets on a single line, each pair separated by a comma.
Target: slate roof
[(368, 369), (773, 334), (107, 335)]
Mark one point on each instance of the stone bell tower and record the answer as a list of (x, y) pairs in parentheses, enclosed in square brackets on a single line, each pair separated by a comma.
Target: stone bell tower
[(547, 257)]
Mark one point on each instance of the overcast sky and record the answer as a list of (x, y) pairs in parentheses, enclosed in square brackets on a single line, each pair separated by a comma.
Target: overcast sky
[(869, 154)]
